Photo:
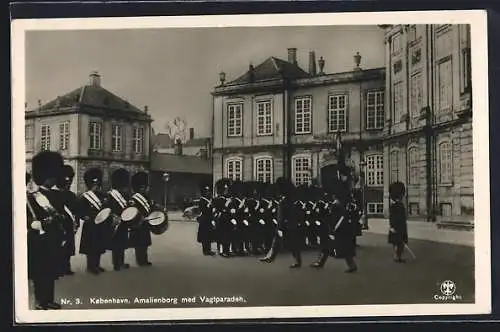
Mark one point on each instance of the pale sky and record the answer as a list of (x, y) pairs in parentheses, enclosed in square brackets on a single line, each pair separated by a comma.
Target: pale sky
[(173, 71)]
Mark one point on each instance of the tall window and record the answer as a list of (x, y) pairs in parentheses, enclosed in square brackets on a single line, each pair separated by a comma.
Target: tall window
[(416, 94), (234, 119), (396, 43), (445, 163), (413, 165), (302, 170), (398, 101), (264, 169), (29, 137), (64, 135), (337, 112), (264, 118), (95, 135), (375, 170), (395, 166), (234, 169), (138, 139), (465, 76), (116, 138), (375, 110), (303, 110), (45, 137), (445, 85), (412, 33)]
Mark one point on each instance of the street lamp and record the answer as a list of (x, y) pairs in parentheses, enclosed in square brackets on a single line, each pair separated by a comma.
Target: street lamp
[(362, 166), (166, 178)]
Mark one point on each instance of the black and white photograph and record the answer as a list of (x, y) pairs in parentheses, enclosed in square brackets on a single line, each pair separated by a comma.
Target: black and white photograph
[(251, 166)]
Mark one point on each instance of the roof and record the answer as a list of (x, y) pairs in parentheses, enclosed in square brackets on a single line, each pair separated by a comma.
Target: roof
[(200, 141), (180, 164), (271, 68), (161, 140)]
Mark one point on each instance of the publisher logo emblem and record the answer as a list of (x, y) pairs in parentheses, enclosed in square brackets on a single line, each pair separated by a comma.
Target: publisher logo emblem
[(448, 292)]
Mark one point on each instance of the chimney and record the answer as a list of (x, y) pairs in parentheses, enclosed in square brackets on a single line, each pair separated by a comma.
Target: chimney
[(178, 147), (251, 72), (312, 63), (191, 133), (321, 63), (292, 56), (94, 79)]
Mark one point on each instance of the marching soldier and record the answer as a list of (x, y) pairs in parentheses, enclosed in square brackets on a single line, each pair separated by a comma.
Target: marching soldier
[(357, 211), (140, 236), (95, 237), (118, 199), (236, 208), (205, 220), (45, 229), (72, 222), (262, 219), (270, 205), (398, 233), (248, 215), (221, 217)]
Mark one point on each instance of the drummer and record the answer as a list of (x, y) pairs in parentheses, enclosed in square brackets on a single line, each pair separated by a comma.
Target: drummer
[(95, 237), (118, 199)]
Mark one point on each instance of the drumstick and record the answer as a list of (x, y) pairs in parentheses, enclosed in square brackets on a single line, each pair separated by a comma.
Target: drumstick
[(153, 218)]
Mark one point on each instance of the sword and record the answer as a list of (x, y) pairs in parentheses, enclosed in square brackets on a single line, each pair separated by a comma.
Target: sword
[(410, 251)]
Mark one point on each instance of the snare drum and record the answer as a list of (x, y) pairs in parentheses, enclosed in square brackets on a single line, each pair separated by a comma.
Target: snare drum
[(102, 216), (157, 222), (131, 217)]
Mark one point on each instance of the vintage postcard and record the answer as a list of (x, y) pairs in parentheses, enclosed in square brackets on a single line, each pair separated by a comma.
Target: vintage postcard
[(251, 166)]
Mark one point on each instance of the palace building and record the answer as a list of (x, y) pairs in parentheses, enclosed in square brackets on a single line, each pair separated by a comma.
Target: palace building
[(90, 127)]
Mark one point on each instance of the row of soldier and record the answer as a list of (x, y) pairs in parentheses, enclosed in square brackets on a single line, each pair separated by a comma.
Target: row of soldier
[(55, 214), (257, 218)]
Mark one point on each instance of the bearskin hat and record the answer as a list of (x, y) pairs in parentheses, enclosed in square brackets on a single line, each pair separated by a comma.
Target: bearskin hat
[(236, 188), (139, 179), (92, 177), (46, 165), (220, 186), (120, 178), (205, 187), (68, 172), (397, 190)]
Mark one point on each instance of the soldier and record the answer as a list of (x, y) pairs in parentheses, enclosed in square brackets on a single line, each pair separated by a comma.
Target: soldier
[(72, 222), (398, 233), (221, 217), (236, 209), (248, 215), (118, 199), (270, 216), (205, 219), (357, 211), (140, 236), (45, 229), (262, 219), (95, 237)]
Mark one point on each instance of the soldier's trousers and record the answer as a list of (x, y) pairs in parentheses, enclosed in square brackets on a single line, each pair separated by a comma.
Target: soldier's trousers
[(141, 255), (44, 290), (118, 257)]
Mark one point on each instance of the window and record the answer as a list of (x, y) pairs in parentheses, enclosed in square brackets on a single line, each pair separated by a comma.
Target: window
[(416, 95), (303, 115), (28, 137), (95, 135), (445, 163), (45, 137), (396, 43), (394, 166), (375, 170), (264, 169), (465, 77), (116, 138), (445, 209), (445, 85), (337, 112), (302, 170), (375, 110), (264, 118), (234, 169), (414, 165), (138, 139), (234, 119), (412, 33), (375, 208), (414, 209), (398, 102), (64, 135)]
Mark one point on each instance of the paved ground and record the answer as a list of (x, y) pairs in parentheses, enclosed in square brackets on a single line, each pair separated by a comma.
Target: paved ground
[(180, 270)]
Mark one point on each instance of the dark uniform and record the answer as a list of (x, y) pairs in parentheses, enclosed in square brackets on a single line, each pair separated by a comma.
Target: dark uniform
[(206, 222), (235, 206), (95, 237), (118, 200), (398, 233), (45, 229), (221, 218), (72, 222), (270, 206)]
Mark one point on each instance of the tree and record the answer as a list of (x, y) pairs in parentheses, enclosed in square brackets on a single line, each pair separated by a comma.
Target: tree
[(177, 129)]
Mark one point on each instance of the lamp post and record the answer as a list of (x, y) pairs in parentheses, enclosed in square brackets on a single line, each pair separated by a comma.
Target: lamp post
[(166, 178), (362, 166)]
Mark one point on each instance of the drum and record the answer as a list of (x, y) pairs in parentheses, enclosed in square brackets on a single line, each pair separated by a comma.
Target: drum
[(102, 216), (157, 222), (131, 217)]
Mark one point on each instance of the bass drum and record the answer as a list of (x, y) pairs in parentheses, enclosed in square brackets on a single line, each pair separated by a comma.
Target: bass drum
[(157, 222), (131, 217), (103, 216)]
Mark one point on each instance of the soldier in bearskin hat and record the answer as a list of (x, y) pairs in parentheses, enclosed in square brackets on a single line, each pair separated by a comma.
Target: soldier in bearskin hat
[(398, 233), (206, 229), (222, 229), (45, 229), (236, 212), (118, 198), (95, 237)]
